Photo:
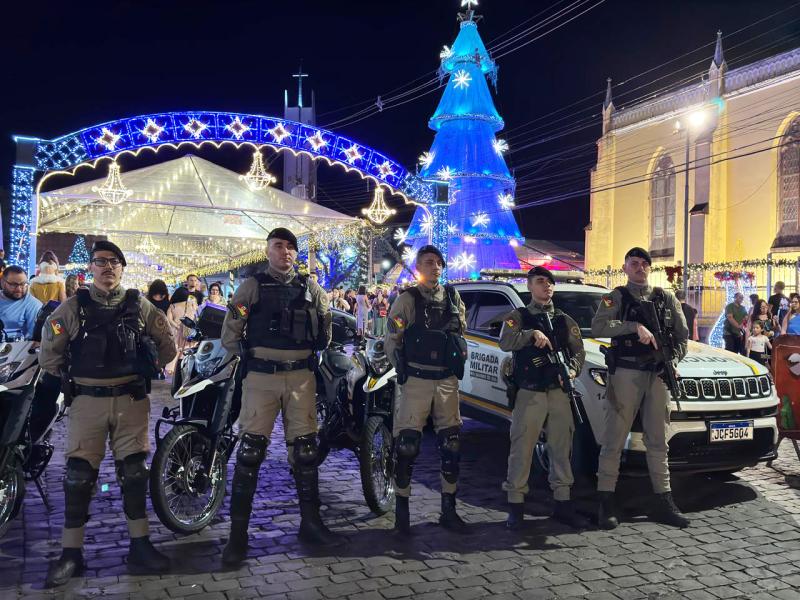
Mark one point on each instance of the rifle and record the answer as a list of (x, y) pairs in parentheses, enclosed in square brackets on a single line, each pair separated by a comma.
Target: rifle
[(560, 358), (666, 349)]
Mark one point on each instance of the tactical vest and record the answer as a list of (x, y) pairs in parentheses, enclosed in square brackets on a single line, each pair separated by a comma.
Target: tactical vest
[(435, 338), (629, 346), (533, 370), (108, 338), (284, 316)]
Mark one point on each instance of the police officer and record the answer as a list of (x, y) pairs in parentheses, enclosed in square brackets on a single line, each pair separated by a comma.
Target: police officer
[(635, 385), (100, 347), (540, 398), (277, 320), (424, 344)]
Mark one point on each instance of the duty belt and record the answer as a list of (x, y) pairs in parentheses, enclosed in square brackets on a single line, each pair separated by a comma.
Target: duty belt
[(277, 366), (428, 373), (630, 362), (137, 389)]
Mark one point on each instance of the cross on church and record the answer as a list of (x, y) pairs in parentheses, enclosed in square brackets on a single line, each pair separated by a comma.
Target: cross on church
[(299, 77)]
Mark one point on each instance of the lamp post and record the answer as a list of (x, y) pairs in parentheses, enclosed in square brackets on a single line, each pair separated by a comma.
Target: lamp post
[(695, 120)]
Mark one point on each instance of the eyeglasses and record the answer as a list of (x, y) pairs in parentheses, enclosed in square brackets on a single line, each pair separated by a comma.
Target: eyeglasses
[(15, 286), (104, 262)]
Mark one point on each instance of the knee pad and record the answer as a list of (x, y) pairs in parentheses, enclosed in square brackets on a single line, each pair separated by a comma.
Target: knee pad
[(133, 475), (79, 481), (305, 451), (407, 444), (449, 448), (252, 450)]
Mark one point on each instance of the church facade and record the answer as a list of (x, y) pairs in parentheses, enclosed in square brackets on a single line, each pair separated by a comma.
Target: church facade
[(738, 130)]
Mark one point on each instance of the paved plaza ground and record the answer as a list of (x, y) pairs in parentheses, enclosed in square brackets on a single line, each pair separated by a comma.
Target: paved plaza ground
[(744, 541)]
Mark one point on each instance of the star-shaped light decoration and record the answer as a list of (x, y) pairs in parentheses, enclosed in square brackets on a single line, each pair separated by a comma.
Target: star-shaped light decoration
[(152, 130), (400, 235), (257, 178), (196, 128), (385, 169), (409, 255), (452, 228), (378, 212), (463, 262), (237, 128), (279, 133), (445, 174), (500, 146), (462, 79), (112, 191), (426, 159), (353, 154), (506, 201), (108, 139), (427, 224), (469, 3), (317, 141), (480, 219), (446, 52)]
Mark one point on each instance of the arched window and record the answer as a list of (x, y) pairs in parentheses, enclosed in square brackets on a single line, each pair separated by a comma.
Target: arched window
[(789, 188), (662, 208)]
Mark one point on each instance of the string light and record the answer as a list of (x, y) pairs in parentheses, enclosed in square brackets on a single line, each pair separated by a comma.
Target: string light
[(257, 177), (427, 224), (237, 128), (445, 174), (152, 130), (195, 128), (385, 169), (378, 212), (279, 133), (506, 201), (446, 52), (480, 219), (462, 79), (113, 191), (400, 235), (317, 141), (108, 139), (426, 159), (500, 147), (353, 154)]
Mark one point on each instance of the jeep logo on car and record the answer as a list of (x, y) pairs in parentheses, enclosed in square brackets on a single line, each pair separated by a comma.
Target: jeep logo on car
[(721, 373)]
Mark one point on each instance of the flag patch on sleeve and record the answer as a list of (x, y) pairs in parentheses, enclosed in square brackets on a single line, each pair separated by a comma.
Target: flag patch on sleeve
[(242, 310), (399, 322), (57, 326), (608, 301), (511, 322)]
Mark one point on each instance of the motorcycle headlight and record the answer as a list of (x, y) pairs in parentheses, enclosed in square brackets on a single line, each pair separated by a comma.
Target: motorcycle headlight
[(7, 371), (205, 369), (599, 376), (379, 363)]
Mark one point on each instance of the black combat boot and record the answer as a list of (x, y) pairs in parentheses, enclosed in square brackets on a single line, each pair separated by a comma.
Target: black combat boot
[(402, 515), (312, 529), (143, 554), (607, 511), (516, 516), (666, 512), (565, 512), (450, 519), (235, 551), (69, 564)]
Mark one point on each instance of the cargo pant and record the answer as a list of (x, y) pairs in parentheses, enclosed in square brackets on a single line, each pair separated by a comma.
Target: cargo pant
[(631, 391), (527, 419), (125, 423), (292, 393), (421, 398)]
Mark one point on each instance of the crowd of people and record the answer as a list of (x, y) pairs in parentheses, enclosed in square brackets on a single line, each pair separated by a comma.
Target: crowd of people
[(370, 307)]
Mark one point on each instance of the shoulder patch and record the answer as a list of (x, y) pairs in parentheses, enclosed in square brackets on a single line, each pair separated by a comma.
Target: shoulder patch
[(399, 323), (575, 331), (511, 322), (243, 310), (608, 301), (57, 325)]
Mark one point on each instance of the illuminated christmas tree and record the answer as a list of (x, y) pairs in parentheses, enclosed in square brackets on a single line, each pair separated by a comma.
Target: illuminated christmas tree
[(79, 257), (467, 155)]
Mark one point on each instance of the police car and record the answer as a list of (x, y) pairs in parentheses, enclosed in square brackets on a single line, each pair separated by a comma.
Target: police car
[(726, 422)]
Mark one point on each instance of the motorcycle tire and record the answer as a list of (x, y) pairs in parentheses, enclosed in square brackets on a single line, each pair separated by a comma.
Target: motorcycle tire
[(376, 465), (171, 476), (12, 492)]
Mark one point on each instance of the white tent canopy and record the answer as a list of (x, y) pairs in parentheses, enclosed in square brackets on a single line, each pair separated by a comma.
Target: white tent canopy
[(184, 208)]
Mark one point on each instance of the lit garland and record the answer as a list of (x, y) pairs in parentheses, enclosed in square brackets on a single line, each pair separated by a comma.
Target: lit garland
[(21, 198)]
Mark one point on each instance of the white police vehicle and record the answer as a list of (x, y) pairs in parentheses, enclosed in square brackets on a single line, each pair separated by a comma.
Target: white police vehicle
[(727, 420)]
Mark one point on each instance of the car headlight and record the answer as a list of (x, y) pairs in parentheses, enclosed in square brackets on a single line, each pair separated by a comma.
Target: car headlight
[(599, 376), (7, 371)]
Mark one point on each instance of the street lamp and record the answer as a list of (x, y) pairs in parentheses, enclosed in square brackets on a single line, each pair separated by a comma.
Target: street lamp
[(694, 120)]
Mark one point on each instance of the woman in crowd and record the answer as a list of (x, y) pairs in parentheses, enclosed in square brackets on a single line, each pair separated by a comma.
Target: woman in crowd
[(380, 310), (362, 310), (182, 304), (214, 297), (48, 284), (338, 302), (158, 295), (350, 298), (71, 285), (762, 316), (791, 322)]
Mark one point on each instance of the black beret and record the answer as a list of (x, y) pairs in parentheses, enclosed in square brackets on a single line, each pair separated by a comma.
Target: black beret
[(541, 272), (108, 247), (639, 253), (429, 249), (281, 233)]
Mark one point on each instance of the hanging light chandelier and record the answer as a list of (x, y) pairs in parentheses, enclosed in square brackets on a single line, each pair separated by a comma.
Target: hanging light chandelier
[(257, 177), (378, 212), (112, 191)]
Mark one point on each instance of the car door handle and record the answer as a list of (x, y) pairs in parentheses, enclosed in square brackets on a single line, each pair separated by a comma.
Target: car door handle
[(472, 344)]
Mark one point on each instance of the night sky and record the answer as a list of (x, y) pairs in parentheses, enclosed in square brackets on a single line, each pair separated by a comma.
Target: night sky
[(70, 65)]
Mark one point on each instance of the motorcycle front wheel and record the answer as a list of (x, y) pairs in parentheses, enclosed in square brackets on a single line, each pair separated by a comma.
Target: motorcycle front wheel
[(184, 502), (12, 491), (376, 465)]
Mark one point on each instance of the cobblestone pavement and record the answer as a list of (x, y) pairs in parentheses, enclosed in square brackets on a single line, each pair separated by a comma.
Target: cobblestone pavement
[(744, 541)]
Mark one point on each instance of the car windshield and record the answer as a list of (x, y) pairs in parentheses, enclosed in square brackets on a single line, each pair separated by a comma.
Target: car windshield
[(581, 306)]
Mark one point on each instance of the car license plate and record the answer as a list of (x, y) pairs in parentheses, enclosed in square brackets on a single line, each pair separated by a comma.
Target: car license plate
[(731, 431)]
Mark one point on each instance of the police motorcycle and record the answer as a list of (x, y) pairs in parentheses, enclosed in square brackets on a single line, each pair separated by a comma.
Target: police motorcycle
[(21, 457), (355, 400), (188, 474)]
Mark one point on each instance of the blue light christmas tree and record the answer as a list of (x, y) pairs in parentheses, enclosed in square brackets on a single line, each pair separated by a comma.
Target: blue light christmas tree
[(467, 155), (79, 257)]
